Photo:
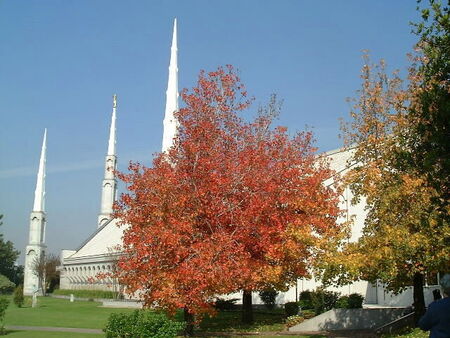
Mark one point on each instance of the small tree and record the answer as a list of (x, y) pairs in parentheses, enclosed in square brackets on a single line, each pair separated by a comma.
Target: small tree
[(44, 267), (18, 296), (268, 297)]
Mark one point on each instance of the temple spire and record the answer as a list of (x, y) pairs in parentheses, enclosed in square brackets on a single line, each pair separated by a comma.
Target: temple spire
[(39, 193), (36, 242), (109, 183), (112, 130), (170, 124)]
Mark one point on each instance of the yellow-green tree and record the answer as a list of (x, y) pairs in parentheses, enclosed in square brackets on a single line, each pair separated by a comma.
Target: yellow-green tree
[(404, 235)]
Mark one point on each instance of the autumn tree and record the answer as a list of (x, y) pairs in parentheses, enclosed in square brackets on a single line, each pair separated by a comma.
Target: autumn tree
[(404, 237), (233, 205)]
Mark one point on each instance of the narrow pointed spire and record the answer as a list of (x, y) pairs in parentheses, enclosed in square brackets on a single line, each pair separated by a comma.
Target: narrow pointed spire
[(39, 193), (170, 124), (112, 130), (109, 183)]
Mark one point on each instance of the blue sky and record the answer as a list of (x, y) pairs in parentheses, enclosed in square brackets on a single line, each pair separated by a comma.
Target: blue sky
[(61, 61)]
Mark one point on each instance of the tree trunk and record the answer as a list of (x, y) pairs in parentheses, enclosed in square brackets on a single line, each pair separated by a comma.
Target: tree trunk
[(189, 320), (247, 309), (419, 300)]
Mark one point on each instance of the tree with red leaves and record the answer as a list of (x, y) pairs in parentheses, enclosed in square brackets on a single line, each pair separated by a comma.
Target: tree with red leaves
[(232, 206)]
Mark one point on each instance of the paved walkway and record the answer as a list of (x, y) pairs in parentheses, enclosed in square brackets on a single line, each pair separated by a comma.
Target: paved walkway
[(336, 334), (54, 329)]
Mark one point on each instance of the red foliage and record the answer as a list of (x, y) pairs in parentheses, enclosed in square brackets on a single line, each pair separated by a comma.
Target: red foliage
[(233, 205)]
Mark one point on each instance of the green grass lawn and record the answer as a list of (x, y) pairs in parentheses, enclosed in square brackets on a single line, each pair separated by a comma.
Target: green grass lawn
[(416, 333), (56, 312), (60, 313), (230, 321)]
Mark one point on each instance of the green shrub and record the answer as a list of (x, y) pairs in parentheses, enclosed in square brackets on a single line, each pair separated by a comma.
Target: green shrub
[(342, 302), (87, 293), (355, 301), (18, 298), (268, 297), (323, 300), (305, 300), (291, 308), (141, 323), (294, 320), (4, 302), (6, 286), (225, 304)]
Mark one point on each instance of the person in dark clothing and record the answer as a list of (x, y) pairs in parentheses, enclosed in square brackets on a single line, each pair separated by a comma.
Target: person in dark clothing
[(437, 294), (437, 317)]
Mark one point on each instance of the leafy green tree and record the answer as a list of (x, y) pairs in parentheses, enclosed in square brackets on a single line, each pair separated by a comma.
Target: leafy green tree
[(6, 286), (8, 257), (429, 141), (268, 297)]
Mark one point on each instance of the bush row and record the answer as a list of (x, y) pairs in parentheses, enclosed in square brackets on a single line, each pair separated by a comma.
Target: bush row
[(87, 293), (320, 301), (141, 323)]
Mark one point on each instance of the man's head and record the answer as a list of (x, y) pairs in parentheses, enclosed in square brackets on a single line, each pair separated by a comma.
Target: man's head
[(445, 284)]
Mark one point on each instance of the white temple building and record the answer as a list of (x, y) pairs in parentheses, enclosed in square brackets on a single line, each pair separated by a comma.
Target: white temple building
[(98, 253)]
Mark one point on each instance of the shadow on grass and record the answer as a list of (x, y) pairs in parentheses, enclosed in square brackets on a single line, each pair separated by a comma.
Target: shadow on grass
[(230, 321)]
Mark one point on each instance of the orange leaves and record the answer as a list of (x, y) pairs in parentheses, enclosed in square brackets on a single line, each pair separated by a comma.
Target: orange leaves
[(231, 206)]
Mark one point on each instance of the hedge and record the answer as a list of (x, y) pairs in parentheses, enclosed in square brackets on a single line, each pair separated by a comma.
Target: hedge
[(87, 293), (141, 323)]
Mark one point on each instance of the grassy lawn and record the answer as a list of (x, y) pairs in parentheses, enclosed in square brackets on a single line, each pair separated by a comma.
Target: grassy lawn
[(230, 321), (55, 312), (60, 313), (416, 333)]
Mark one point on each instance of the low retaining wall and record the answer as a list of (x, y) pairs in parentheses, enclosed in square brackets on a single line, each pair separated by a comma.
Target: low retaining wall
[(350, 319), (107, 302), (129, 304), (80, 298)]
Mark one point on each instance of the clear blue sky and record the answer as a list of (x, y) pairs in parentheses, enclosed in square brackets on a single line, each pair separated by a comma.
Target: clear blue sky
[(61, 61)]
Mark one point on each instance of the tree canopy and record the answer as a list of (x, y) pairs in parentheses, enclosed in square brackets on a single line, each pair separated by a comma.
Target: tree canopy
[(429, 142), (400, 132), (233, 205), (8, 257)]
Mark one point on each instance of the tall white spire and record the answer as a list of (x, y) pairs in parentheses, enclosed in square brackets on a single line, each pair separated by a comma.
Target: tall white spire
[(39, 193), (170, 124), (109, 184), (36, 242), (112, 130)]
